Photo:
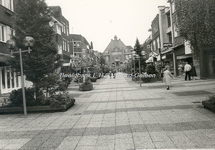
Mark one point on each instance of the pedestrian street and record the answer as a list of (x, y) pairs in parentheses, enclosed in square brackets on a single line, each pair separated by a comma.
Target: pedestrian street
[(118, 114)]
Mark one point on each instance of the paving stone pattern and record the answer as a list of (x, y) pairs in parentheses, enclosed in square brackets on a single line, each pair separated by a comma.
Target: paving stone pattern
[(119, 115)]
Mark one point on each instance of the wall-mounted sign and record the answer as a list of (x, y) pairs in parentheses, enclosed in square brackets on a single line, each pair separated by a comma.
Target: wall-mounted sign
[(167, 44)]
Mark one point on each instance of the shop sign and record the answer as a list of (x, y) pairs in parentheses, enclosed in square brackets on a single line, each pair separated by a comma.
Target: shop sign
[(167, 44), (164, 57)]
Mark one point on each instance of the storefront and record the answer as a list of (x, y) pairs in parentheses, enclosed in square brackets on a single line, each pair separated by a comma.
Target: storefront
[(9, 79)]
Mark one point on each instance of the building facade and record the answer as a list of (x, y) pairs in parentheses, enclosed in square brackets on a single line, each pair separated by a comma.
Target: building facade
[(9, 78), (117, 54), (61, 27), (166, 45), (81, 51)]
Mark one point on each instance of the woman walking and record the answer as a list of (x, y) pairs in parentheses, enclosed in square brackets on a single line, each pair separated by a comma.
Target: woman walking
[(167, 77)]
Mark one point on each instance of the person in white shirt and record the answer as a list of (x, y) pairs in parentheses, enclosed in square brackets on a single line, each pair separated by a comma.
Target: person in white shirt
[(187, 69)]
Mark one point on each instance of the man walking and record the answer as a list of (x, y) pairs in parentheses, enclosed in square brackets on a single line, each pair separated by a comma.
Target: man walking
[(187, 69)]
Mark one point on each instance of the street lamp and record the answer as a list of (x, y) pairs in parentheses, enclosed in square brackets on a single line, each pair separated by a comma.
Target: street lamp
[(28, 42), (134, 54)]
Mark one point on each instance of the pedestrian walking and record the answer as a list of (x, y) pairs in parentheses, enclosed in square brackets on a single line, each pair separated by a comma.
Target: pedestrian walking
[(167, 77), (193, 72), (110, 74), (114, 74), (187, 69)]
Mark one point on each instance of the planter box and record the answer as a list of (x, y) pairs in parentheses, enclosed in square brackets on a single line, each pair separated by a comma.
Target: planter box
[(93, 79), (37, 108), (149, 79), (208, 105), (84, 87)]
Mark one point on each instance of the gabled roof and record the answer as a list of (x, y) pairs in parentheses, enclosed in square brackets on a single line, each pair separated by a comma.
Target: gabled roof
[(78, 37), (129, 47)]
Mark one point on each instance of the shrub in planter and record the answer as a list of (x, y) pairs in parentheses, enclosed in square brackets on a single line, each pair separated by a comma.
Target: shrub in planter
[(211, 100), (57, 100), (93, 79), (151, 69), (16, 99), (146, 79), (209, 103), (86, 86)]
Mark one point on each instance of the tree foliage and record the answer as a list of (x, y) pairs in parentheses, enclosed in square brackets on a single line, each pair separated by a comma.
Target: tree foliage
[(32, 18), (195, 20), (137, 47)]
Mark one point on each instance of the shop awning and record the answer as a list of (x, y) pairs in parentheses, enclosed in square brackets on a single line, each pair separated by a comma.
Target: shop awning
[(66, 64), (183, 57), (150, 60)]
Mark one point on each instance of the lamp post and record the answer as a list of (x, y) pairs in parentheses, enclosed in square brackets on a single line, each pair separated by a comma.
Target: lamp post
[(142, 54), (134, 54), (28, 42)]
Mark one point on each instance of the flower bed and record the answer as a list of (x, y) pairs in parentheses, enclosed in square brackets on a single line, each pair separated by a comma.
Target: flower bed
[(63, 107), (55, 102)]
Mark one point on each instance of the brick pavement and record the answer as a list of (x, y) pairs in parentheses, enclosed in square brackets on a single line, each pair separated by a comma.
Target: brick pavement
[(119, 115)]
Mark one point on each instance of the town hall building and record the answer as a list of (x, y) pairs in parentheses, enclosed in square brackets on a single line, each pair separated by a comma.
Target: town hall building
[(117, 54)]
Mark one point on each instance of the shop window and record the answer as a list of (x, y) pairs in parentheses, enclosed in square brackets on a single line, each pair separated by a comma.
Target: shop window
[(8, 78), (3, 78), (17, 80), (12, 79)]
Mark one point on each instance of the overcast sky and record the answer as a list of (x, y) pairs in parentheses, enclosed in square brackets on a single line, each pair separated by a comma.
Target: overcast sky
[(100, 20)]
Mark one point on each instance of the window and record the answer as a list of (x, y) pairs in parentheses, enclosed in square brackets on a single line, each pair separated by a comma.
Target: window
[(68, 46), (170, 38), (67, 30), (59, 49), (151, 47), (175, 31), (158, 42), (63, 45), (59, 29), (7, 3), (168, 21), (173, 7), (154, 45), (2, 33)]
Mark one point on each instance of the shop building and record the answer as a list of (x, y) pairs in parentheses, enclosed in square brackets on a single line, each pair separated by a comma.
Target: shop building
[(9, 78)]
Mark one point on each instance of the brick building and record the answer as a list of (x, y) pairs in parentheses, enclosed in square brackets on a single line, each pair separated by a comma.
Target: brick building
[(117, 54), (9, 79)]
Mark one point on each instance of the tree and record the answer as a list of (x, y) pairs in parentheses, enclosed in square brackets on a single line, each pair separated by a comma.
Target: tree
[(138, 50), (137, 47), (195, 20), (33, 20)]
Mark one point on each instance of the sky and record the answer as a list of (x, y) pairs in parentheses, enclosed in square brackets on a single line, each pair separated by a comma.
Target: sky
[(100, 20)]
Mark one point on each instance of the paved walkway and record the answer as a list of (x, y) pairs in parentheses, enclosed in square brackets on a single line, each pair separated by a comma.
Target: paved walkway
[(119, 115)]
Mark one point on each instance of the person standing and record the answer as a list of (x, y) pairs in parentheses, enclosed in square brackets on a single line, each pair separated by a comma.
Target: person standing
[(187, 69), (110, 74), (167, 77), (193, 72)]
